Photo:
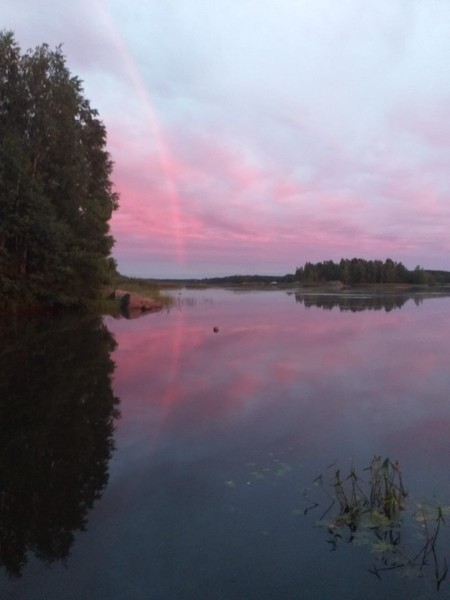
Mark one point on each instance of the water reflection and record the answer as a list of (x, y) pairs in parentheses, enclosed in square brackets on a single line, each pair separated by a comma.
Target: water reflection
[(221, 432), (57, 412), (355, 303), (329, 368)]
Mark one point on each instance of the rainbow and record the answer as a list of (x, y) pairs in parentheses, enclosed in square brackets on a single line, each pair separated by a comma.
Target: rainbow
[(154, 126)]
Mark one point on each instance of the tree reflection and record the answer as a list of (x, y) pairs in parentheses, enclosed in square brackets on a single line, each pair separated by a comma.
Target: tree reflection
[(57, 412), (354, 303)]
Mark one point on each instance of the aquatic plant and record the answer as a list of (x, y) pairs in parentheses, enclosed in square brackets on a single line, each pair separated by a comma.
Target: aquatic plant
[(374, 513)]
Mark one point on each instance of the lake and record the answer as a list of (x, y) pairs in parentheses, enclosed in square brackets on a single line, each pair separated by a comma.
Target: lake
[(154, 458)]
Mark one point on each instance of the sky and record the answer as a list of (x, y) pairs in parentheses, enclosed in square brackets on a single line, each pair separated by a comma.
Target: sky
[(251, 136)]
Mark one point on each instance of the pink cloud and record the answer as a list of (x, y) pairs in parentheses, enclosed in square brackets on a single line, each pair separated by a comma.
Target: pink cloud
[(216, 199), (427, 118)]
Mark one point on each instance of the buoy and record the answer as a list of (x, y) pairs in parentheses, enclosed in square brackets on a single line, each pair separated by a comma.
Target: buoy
[(216, 329)]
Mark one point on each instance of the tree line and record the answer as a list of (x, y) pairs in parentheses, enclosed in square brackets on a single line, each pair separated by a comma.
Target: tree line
[(56, 196), (359, 270)]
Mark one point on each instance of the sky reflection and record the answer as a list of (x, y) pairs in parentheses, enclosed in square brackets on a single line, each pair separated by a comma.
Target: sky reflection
[(208, 418), (348, 382), (220, 433)]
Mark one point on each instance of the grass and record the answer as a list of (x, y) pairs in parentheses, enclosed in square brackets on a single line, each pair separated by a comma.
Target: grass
[(143, 287)]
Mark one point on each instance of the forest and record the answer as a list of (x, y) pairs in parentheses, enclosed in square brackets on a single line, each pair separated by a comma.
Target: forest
[(56, 195), (359, 270)]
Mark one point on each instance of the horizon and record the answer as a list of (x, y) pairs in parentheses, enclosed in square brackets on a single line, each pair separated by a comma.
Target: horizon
[(253, 136), (260, 274)]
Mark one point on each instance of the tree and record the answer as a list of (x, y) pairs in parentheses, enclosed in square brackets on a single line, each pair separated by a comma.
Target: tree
[(56, 196), (360, 271), (421, 277)]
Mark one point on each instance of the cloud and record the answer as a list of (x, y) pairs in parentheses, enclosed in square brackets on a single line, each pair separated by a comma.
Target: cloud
[(259, 135)]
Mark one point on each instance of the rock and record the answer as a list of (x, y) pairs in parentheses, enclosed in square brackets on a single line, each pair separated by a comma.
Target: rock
[(130, 301)]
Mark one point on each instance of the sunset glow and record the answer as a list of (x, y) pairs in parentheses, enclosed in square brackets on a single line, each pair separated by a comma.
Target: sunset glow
[(251, 137)]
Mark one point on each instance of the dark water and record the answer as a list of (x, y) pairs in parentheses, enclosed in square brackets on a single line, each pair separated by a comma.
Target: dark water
[(197, 490)]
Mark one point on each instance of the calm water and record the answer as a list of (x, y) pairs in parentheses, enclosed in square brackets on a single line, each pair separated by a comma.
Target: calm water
[(196, 490)]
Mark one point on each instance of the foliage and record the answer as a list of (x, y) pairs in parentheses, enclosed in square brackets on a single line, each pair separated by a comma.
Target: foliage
[(374, 514), (56, 197), (358, 270), (440, 276)]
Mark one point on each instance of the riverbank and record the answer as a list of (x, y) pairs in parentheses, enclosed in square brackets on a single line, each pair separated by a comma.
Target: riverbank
[(166, 285)]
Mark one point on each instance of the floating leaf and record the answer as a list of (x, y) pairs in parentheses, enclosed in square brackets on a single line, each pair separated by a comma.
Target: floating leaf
[(322, 523), (382, 546), (426, 514), (257, 475), (362, 538), (379, 519), (282, 470)]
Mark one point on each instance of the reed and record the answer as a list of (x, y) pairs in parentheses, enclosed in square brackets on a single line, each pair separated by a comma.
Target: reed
[(371, 509)]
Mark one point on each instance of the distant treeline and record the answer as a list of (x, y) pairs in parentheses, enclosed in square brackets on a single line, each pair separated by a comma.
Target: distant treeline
[(440, 276), (348, 271), (248, 279), (358, 270)]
